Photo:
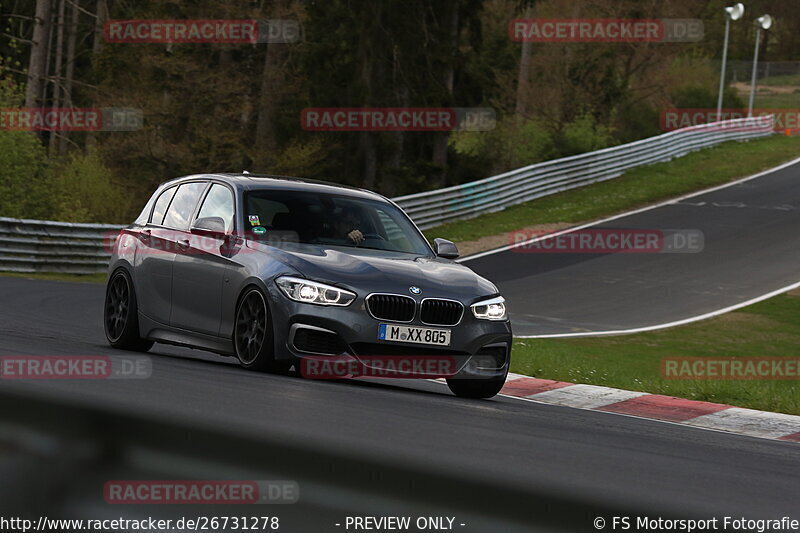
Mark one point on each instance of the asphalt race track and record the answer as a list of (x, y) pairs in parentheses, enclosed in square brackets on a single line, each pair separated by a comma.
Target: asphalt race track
[(611, 461), (564, 466), (751, 247)]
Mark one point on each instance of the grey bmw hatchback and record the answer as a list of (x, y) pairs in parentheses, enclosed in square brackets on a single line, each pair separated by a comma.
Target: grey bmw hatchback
[(282, 272)]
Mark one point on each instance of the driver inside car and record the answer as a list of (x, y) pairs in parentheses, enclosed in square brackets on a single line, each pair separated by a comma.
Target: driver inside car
[(349, 226)]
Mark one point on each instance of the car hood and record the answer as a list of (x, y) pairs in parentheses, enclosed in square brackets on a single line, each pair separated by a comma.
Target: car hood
[(368, 271)]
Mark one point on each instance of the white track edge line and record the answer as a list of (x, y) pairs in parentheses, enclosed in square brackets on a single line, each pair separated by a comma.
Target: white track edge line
[(665, 325), (629, 213)]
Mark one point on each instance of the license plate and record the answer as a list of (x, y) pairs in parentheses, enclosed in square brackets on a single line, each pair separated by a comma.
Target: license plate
[(397, 333)]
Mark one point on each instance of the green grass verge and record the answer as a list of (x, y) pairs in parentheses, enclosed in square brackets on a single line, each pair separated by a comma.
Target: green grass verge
[(80, 278), (636, 188), (777, 101), (766, 329), (784, 79)]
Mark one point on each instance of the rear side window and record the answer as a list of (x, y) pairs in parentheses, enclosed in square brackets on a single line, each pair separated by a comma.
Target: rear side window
[(183, 204), (161, 206), (218, 203)]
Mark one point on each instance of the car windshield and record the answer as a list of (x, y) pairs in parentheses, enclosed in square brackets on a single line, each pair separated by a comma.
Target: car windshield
[(281, 216)]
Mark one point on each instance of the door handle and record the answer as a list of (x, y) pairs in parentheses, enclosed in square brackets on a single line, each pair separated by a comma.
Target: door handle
[(183, 244), (147, 234)]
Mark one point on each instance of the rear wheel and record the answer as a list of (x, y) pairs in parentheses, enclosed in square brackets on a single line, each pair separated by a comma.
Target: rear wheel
[(121, 316), (252, 335), (476, 388)]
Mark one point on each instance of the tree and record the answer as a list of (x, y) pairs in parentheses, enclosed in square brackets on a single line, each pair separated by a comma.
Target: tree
[(37, 65), (56, 79), (72, 37), (524, 66)]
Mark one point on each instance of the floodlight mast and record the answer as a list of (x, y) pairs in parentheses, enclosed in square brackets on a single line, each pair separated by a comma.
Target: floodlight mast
[(763, 22), (733, 12)]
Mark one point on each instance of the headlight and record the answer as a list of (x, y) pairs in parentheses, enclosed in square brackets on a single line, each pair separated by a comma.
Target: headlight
[(313, 292), (494, 309)]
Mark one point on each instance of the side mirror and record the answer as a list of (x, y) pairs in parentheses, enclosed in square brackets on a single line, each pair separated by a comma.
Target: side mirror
[(445, 248), (213, 226)]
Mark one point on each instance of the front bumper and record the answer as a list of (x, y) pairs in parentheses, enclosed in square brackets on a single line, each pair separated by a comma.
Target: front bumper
[(478, 349)]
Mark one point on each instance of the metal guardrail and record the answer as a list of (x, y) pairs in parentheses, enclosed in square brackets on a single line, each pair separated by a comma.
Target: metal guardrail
[(432, 208), (58, 453), (44, 246)]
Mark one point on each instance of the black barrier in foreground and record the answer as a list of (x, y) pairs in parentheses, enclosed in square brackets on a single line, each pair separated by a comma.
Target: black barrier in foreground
[(57, 461)]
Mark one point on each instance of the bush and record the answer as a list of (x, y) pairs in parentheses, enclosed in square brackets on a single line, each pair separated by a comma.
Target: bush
[(637, 121), (696, 97), (83, 190), (23, 171), (23, 163), (512, 144), (584, 134), (300, 159), (79, 188)]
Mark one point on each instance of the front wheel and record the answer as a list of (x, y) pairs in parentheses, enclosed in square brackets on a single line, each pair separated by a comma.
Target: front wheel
[(252, 335), (476, 388), (121, 315)]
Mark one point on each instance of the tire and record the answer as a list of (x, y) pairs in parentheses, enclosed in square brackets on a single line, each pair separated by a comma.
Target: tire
[(476, 388), (121, 314), (253, 338)]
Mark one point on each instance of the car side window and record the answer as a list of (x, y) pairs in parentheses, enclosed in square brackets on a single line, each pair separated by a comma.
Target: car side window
[(180, 210), (160, 209), (391, 230), (219, 203)]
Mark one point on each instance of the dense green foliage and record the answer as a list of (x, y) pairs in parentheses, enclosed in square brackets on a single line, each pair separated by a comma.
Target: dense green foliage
[(22, 161), (77, 188), (229, 107)]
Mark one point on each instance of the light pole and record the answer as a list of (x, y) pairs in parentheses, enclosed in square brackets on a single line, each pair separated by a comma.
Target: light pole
[(734, 12), (763, 22)]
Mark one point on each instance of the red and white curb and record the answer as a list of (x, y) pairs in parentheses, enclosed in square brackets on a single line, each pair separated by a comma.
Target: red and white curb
[(714, 416)]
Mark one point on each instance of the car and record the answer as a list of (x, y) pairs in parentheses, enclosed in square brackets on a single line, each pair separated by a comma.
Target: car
[(284, 272)]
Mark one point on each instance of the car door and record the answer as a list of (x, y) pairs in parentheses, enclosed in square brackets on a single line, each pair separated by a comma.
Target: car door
[(203, 267), (153, 262), (162, 237)]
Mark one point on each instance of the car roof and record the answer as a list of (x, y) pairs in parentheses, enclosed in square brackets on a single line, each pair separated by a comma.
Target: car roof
[(274, 182)]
